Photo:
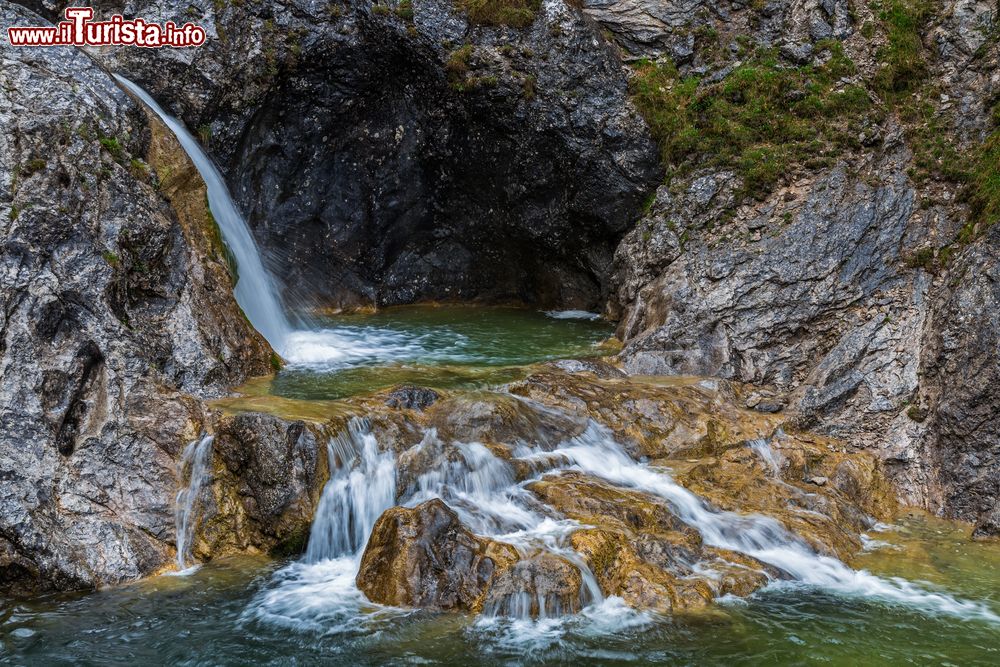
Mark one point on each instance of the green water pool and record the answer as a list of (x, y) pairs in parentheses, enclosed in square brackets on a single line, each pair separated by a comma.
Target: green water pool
[(200, 620), (437, 346)]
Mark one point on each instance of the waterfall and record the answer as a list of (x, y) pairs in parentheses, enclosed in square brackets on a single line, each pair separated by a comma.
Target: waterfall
[(762, 448), (194, 465), (255, 290), (362, 485)]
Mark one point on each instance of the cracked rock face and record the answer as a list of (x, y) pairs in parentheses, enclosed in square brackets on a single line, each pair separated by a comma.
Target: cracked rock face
[(116, 317), (382, 160), (962, 370), (817, 291)]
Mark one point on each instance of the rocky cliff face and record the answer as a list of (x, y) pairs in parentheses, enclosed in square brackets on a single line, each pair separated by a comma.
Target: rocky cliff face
[(815, 262), (824, 234), (387, 155), (854, 278), (117, 317)]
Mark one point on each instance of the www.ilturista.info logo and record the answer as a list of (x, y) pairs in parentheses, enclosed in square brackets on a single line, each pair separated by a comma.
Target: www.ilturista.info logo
[(79, 30)]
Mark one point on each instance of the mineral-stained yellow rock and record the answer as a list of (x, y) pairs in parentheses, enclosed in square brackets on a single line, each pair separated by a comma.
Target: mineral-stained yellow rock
[(424, 557), (695, 430)]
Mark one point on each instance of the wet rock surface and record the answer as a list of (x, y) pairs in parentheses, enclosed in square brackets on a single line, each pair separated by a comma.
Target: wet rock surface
[(267, 481), (424, 557), (959, 402), (412, 398), (117, 319), (858, 286), (384, 160), (444, 547), (387, 159)]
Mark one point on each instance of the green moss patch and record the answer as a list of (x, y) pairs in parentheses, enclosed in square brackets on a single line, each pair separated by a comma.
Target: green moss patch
[(515, 13), (761, 120)]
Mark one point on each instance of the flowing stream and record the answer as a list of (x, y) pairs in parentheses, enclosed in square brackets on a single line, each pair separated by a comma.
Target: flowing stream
[(195, 467), (311, 608)]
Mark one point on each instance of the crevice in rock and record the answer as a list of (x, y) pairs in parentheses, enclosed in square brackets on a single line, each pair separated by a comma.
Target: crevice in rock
[(86, 367)]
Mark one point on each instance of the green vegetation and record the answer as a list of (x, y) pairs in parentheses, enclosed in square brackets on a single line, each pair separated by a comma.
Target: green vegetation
[(32, 166), (139, 169), (404, 10), (219, 246), (110, 257), (905, 65), (761, 120), (112, 146), (458, 61), (457, 68), (515, 13), (528, 86), (984, 179), (903, 83)]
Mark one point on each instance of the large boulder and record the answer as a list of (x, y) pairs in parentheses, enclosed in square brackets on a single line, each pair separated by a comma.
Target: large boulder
[(424, 557), (268, 474)]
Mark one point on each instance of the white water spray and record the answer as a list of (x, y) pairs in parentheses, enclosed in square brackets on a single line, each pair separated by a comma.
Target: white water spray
[(596, 452), (362, 485), (194, 465), (318, 593), (255, 290), (771, 458)]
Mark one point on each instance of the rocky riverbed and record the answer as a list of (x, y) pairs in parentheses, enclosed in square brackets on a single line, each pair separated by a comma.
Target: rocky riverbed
[(787, 210)]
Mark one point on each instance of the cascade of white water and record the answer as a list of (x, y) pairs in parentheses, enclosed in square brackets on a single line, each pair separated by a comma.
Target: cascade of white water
[(596, 452), (319, 591), (194, 465), (362, 485), (255, 291), (763, 449)]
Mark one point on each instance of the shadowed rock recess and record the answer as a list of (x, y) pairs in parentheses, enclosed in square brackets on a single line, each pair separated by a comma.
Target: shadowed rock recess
[(383, 160), (790, 216)]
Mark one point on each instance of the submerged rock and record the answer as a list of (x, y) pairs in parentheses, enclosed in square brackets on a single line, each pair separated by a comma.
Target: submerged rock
[(540, 585), (412, 398)]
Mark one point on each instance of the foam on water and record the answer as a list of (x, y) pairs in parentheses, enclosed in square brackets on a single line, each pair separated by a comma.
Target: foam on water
[(319, 594), (573, 315), (327, 350), (596, 453)]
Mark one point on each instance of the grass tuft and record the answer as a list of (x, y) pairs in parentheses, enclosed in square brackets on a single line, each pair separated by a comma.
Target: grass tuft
[(761, 120), (514, 13)]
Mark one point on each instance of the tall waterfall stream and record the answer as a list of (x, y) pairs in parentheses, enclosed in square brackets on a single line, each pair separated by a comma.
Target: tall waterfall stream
[(315, 597)]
